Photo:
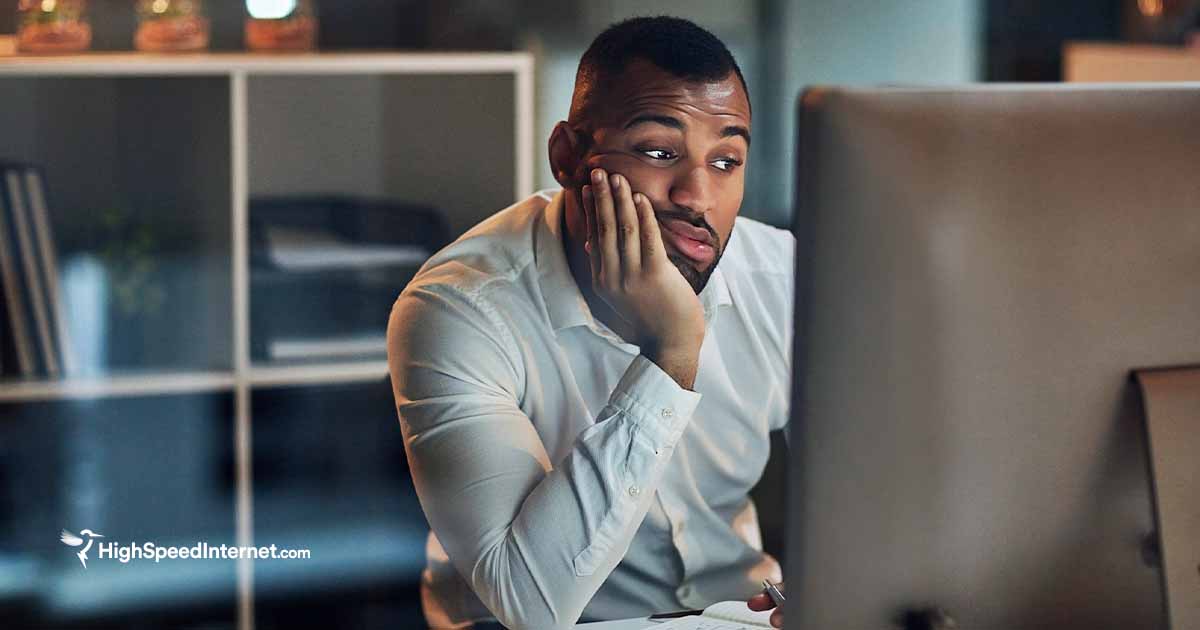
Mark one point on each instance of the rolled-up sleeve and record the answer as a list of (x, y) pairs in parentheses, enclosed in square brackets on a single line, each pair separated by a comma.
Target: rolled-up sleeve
[(535, 539)]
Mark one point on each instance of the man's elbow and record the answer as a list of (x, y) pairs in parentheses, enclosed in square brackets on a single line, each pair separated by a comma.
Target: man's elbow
[(518, 599), (533, 622), (526, 609)]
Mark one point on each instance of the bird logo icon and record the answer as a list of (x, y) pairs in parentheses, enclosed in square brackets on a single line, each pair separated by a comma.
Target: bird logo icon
[(71, 539)]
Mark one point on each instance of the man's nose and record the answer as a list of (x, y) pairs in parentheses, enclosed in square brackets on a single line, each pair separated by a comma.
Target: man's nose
[(693, 189)]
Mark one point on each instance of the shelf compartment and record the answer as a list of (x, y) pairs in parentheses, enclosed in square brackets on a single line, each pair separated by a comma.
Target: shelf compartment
[(135, 470), (330, 474), (137, 176), (385, 172)]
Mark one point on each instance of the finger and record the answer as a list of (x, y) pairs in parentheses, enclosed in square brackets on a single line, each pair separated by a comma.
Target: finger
[(760, 602), (653, 251), (606, 233), (589, 211), (777, 618), (628, 240)]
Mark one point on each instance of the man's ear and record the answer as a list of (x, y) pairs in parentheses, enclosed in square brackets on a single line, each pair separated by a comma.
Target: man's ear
[(567, 149)]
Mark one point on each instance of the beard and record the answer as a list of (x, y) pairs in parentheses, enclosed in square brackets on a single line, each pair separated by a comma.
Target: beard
[(695, 277)]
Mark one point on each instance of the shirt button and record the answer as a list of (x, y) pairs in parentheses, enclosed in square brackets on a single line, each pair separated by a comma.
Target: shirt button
[(668, 412), (634, 491)]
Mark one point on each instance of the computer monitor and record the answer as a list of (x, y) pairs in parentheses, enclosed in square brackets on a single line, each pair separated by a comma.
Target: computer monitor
[(978, 271)]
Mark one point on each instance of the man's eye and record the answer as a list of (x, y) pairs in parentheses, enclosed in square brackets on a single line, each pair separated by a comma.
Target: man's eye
[(727, 164), (658, 154)]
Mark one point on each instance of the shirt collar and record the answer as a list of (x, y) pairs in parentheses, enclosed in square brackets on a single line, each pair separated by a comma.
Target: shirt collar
[(564, 301), (715, 293)]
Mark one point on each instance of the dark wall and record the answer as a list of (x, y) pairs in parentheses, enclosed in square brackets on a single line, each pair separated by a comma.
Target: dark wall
[(8, 16), (1024, 38)]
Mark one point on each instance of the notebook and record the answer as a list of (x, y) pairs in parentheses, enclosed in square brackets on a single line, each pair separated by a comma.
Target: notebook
[(732, 615)]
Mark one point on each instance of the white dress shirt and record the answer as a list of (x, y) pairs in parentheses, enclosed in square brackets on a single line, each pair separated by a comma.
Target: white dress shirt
[(565, 476)]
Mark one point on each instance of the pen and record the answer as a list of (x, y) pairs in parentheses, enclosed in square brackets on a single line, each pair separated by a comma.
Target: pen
[(774, 592), (676, 614)]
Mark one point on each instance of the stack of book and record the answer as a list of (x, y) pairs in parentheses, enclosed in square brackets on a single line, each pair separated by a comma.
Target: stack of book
[(33, 328)]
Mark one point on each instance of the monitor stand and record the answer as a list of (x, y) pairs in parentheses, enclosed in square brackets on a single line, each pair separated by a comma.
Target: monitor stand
[(1171, 401)]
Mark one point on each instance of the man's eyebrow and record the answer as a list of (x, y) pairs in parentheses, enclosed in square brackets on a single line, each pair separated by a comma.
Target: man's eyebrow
[(669, 121), (675, 123), (736, 130)]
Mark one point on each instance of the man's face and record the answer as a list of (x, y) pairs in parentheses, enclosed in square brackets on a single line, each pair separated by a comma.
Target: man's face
[(684, 145)]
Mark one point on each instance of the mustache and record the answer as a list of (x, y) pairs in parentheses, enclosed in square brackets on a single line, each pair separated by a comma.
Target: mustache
[(689, 217)]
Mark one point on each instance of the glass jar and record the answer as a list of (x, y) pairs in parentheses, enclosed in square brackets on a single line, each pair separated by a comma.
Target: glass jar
[(281, 24), (171, 26), (53, 26)]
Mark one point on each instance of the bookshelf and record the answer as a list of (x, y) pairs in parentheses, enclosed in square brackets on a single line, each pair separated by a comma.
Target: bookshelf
[(184, 142), (145, 384), (153, 383)]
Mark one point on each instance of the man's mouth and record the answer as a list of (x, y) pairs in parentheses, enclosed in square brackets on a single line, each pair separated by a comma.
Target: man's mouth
[(692, 242)]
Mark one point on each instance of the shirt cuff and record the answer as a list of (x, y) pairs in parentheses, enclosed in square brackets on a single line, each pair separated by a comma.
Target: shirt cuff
[(655, 402)]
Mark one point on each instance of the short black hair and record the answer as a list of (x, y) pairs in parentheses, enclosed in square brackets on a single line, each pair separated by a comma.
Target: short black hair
[(676, 45)]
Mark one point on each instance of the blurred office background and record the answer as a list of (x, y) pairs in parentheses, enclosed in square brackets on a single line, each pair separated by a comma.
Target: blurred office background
[(352, 181)]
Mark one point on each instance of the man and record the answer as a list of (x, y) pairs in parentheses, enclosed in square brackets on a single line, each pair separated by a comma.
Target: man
[(587, 380)]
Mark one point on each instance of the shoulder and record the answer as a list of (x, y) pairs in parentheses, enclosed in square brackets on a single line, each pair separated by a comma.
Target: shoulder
[(448, 319), (494, 253), (458, 293)]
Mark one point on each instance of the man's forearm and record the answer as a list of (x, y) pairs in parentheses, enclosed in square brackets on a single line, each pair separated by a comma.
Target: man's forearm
[(680, 360), (679, 364)]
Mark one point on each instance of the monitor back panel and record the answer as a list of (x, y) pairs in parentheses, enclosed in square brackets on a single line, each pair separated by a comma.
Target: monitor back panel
[(979, 271)]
